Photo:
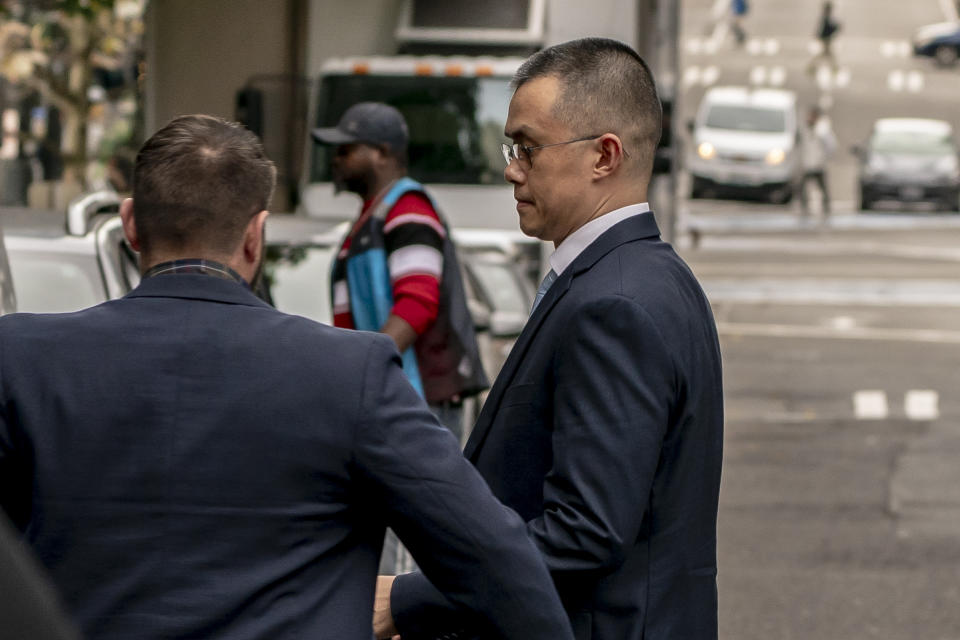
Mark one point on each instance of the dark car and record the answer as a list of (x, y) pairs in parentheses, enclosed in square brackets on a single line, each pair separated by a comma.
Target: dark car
[(938, 41), (908, 160), (68, 261)]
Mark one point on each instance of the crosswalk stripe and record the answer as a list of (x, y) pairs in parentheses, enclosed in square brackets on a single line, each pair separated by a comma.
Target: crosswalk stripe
[(778, 76), (895, 49), (914, 81), (710, 75), (921, 404), (870, 405)]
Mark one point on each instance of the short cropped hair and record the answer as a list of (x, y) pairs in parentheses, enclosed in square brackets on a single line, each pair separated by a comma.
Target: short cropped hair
[(196, 184), (605, 87)]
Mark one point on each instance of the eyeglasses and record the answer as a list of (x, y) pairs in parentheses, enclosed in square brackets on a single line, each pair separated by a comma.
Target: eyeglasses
[(524, 155)]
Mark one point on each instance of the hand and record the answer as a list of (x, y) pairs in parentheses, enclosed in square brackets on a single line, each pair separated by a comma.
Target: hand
[(383, 626)]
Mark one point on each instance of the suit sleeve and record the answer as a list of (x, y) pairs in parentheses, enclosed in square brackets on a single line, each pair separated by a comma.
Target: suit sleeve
[(614, 380), (615, 384), (14, 473), (475, 550)]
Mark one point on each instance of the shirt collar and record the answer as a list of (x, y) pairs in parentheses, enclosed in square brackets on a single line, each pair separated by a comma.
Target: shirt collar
[(574, 244), (194, 266)]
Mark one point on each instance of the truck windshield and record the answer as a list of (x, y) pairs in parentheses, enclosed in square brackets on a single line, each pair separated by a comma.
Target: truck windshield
[(456, 123)]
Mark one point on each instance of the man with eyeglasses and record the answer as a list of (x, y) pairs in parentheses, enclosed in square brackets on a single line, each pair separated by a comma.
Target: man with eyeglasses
[(604, 428)]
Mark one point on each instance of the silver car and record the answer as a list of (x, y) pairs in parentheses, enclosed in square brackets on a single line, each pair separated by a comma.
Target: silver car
[(909, 160)]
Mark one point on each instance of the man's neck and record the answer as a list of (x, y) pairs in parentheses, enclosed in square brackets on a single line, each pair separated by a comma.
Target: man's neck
[(380, 184)]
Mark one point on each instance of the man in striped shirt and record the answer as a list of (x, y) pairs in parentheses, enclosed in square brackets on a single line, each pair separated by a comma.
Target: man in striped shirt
[(397, 271)]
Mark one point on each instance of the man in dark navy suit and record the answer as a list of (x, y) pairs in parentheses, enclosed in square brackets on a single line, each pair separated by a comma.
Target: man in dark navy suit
[(604, 429), (188, 462)]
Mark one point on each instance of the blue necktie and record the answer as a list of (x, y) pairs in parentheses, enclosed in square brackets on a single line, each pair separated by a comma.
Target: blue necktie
[(542, 291)]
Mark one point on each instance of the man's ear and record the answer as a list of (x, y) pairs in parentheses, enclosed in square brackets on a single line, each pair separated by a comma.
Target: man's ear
[(129, 225), (611, 155), (253, 238)]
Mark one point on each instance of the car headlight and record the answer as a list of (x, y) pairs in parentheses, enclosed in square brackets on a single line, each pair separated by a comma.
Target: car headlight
[(874, 165), (947, 167), (775, 156), (706, 150)]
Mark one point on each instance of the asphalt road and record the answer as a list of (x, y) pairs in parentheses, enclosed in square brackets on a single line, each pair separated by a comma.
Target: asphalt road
[(840, 503)]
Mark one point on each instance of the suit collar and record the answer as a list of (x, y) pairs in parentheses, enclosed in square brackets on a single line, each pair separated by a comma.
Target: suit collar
[(574, 244), (196, 287), (639, 227)]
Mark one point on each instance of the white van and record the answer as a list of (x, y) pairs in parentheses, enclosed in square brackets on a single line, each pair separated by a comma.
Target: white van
[(746, 141)]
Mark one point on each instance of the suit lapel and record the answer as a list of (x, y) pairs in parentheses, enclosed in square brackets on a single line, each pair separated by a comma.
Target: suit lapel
[(636, 227)]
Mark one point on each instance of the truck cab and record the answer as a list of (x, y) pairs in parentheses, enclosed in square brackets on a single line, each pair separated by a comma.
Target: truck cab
[(455, 108)]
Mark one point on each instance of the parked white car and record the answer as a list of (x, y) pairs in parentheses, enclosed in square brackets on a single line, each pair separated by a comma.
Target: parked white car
[(745, 142)]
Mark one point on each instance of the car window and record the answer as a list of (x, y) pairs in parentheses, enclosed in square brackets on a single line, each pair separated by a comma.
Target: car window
[(50, 282), (740, 118), (912, 142), (299, 281)]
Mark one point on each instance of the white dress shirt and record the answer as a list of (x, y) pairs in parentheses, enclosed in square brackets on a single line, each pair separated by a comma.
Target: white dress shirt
[(574, 244)]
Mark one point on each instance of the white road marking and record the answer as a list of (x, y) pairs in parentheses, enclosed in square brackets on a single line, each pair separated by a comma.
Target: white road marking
[(753, 330), (914, 81), (824, 77), (861, 247), (870, 405), (895, 49), (754, 47), (710, 75), (778, 76), (843, 78), (694, 45), (868, 292), (843, 323), (921, 404), (691, 76), (815, 47), (771, 47), (758, 75), (896, 80)]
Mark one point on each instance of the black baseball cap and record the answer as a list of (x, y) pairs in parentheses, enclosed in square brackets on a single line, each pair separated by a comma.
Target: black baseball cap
[(368, 122)]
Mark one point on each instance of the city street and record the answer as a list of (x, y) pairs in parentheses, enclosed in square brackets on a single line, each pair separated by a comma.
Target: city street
[(840, 505)]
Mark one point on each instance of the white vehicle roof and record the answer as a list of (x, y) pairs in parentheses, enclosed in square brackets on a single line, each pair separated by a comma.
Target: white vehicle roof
[(913, 125), (771, 98), (468, 66)]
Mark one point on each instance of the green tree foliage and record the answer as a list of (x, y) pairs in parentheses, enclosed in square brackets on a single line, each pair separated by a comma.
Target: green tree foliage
[(53, 47)]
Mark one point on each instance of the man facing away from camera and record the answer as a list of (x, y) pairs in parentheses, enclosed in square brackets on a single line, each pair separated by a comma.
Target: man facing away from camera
[(188, 462)]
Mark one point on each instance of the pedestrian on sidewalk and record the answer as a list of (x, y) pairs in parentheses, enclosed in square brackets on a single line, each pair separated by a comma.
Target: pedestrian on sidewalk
[(738, 9), (818, 144), (826, 30)]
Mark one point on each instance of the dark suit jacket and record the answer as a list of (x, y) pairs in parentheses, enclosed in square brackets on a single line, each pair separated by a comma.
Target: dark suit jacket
[(29, 606), (604, 431), (189, 462)]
